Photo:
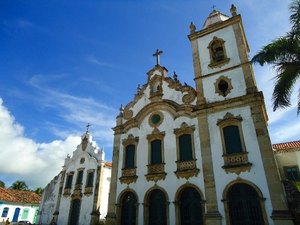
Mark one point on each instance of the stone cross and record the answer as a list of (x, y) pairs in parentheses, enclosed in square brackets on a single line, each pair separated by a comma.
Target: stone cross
[(157, 55)]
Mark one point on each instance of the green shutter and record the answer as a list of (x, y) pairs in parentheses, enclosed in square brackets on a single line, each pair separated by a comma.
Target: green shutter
[(232, 139), (185, 147), (129, 156), (156, 152)]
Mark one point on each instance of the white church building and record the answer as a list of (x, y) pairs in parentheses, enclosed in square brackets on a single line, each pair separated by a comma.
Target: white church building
[(200, 155), (79, 193)]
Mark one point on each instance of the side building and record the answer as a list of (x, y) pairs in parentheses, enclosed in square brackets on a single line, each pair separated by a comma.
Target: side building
[(287, 155), (18, 205), (79, 193), (198, 155)]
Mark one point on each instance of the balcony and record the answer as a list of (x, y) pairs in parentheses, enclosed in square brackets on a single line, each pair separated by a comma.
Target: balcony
[(236, 163), (67, 192), (186, 169), (88, 191), (156, 172), (128, 175)]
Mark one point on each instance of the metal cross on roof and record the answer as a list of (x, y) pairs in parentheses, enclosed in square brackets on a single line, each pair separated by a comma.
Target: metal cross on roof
[(87, 127), (157, 55)]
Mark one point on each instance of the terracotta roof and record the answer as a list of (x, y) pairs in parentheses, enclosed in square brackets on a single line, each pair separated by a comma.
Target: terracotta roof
[(108, 164), (287, 146), (18, 196)]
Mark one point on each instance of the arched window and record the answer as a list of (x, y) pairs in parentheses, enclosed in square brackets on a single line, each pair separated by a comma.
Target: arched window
[(156, 152), (185, 148), (234, 150), (190, 207), (244, 205), (157, 208), (129, 156), (128, 209), (186, 160), (217, 52)]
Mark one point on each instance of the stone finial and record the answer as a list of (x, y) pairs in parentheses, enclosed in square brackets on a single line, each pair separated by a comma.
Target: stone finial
[(175, 76), (233, 10), (192, 28)]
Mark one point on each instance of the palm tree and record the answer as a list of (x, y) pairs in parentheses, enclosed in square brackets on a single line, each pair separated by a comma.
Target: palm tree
[(2, 184), (39, 190), (284, 54), (19, 185)]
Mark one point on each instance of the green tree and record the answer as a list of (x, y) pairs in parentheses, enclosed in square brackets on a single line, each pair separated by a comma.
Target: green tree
[(2, 184), (19, 185), (39, 190), (284, 54)]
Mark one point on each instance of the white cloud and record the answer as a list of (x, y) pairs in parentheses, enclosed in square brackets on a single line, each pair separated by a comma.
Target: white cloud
[(94, 60), (76, 111), (24, 159)]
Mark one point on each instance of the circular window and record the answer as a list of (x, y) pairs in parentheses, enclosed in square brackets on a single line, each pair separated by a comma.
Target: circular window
[(155, 119), (82, 160)]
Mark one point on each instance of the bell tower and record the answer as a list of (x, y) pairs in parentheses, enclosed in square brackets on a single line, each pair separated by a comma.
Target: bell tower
[(220, 55), (231, 111)]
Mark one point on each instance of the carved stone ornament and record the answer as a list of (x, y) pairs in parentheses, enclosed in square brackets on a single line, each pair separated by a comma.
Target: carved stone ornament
[(77, 194), (84, 143), (223, 86), (229, 116), (128, 176), (128, 113), (67, 192), (156, 172), (88, 191), (186, 169), (190, 96), (236, 163)]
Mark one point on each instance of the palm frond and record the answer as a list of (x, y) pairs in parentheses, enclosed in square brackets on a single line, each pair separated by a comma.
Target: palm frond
[(288, 73), (295, 14), (284, 49)]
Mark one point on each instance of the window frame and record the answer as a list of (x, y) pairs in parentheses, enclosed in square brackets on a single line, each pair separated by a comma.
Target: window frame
[(126, 142), (286, 173), (234, 162), (5, 212), (231, 121), (183, 130), (213, 62), (88, 182), (156, 135)]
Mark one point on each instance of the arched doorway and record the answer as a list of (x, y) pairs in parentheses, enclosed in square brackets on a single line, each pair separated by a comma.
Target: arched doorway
[(157, 209), (74, 212), (190, 207), (128, 209), (244, 205)]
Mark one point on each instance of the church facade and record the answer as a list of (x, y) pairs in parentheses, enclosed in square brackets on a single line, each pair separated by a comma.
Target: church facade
[(79, 193), (198, 155)]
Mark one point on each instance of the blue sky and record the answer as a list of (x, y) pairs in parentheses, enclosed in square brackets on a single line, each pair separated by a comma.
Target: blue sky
[(64, 64)]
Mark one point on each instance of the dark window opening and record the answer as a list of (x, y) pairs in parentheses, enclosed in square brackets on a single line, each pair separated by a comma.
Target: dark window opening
[(129, 156), (232, 139), (156, 156), (185, 147)]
